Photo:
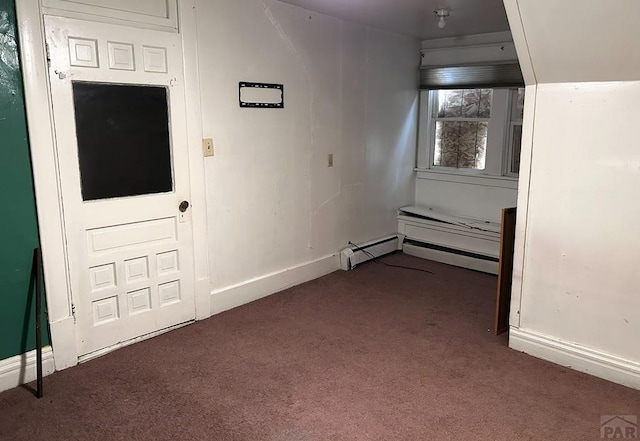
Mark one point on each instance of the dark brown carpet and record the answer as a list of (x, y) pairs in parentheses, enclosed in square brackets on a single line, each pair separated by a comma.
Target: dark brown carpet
[(377, 353)]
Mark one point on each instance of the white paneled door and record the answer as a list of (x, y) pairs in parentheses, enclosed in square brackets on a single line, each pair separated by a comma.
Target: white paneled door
[(119, 115)]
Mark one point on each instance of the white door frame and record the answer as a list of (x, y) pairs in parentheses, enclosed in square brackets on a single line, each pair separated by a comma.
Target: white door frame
[(47, 183), (526, 158)]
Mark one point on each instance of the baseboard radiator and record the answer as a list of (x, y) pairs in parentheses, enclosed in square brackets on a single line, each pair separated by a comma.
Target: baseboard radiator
[(355, 254), (450, 243), (451, 256)]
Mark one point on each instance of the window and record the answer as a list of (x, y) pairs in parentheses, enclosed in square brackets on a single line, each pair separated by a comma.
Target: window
[(461, 125), (472, 131), (124, 145)]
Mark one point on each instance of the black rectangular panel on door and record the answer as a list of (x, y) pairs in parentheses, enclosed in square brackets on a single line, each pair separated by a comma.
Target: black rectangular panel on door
[(123, 135)]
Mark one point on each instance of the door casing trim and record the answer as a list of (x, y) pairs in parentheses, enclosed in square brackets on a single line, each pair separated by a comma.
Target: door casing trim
[(45, 173)]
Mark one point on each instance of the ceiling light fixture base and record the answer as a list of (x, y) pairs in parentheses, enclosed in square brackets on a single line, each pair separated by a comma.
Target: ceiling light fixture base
[(441, 15)]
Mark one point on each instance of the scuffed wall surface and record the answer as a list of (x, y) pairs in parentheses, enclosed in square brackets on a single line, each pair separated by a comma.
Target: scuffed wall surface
[(349, 90)]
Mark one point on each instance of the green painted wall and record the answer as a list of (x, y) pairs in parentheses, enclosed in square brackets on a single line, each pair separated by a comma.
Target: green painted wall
[(18, 228)]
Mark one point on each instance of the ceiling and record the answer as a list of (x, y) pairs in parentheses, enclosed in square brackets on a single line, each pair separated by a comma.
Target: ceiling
[(415, 18)]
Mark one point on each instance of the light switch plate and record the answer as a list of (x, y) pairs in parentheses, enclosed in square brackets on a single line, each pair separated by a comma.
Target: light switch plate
[(207, 147)]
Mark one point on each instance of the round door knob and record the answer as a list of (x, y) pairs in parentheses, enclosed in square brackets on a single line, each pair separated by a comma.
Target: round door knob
[(183, 206)]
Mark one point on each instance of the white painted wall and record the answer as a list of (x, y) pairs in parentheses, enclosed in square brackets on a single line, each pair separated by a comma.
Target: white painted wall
[(349, 90), (575, 299), (583, 244), (482, 198)]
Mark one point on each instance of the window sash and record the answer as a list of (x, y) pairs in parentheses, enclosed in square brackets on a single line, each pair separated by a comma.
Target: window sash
[(498, 166), (498, 134)]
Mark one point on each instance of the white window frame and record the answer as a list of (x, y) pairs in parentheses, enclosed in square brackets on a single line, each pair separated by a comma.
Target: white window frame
[(498, 151)]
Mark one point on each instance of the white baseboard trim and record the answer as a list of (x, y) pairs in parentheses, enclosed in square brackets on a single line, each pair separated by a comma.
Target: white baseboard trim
[(63, 337), (486, 266), (21, 369), (230, 297), (576, 357), (203, 298)]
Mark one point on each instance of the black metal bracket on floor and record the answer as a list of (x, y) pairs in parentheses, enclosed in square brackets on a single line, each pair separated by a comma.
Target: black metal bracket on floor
[(37, 268)]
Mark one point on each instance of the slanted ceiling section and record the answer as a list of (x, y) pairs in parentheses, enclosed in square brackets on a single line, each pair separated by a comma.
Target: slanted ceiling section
[(578, 40)]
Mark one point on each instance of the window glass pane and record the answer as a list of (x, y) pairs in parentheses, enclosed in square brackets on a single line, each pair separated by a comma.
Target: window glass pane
[(461, 144), (449, 103), (516, 138), (123, 140), (484, 109), (465, 103)]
